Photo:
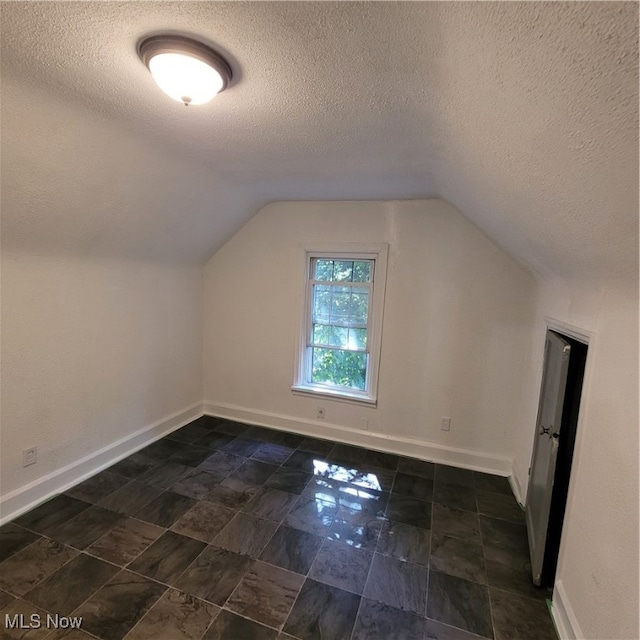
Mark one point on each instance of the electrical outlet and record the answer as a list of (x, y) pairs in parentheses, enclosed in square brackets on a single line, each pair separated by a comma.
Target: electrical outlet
[(320, 413), (445, 424), (29, 456), (364, 424)]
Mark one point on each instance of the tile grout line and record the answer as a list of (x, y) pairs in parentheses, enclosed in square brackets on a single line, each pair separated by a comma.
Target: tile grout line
[(493, 627), (150, 609), (126, 564), (191, 564), (373, 555), (240, 615), (80, 552), (222, 607), (281, 626), (426, 595), (307, 576), (96, 591), (366, 582), (39, 582)]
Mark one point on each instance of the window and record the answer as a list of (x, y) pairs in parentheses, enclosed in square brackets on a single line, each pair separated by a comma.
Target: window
[(340, 337)]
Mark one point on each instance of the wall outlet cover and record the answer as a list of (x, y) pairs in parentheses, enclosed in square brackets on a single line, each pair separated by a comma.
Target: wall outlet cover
[(29, 456)]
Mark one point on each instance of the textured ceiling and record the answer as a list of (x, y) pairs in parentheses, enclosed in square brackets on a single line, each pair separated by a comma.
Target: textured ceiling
[(522, 115)]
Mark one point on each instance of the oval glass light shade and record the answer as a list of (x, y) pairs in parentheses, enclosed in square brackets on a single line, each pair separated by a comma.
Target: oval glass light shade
[(184, 78), (185, 69)]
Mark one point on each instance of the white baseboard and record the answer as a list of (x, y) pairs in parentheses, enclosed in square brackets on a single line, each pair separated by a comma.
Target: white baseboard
[(25, 498), (17, 502), (497, 465), (563, 616)]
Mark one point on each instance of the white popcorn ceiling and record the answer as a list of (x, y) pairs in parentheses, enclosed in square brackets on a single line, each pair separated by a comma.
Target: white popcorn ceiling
[(524, 116)]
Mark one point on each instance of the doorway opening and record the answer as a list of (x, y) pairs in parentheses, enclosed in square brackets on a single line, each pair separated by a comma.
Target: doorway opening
[(550, 472)]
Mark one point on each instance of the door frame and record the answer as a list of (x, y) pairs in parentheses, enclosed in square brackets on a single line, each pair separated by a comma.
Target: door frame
[(589, 338), (577, 333), (551, 433)]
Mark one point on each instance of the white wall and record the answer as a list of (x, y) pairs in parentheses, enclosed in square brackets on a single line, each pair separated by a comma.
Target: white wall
[(598, 565), (457, 312), (101, 296), (92, 352)]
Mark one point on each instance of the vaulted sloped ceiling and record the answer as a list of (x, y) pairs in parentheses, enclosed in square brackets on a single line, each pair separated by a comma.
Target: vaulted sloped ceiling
[(522, 115)]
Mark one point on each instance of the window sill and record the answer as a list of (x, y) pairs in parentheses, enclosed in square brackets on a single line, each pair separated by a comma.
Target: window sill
[(344, 396)]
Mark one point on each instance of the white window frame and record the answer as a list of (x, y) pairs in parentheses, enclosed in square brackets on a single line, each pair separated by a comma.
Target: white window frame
[(302, 382)]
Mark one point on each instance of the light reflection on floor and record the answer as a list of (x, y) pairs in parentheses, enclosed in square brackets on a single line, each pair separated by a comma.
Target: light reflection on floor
[(343, 474), (343, 487)]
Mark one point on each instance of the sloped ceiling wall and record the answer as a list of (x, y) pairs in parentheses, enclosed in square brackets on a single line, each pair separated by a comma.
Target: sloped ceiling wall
[(77, 183), (522, 115)]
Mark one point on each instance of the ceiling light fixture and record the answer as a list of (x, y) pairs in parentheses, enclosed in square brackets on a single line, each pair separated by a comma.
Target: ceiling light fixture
[(185, 69)]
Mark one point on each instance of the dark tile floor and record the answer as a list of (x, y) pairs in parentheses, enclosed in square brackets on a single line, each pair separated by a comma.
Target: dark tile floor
[(226, 531)]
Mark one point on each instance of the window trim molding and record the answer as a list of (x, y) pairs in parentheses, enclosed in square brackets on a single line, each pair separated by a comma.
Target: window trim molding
[(353, 251)]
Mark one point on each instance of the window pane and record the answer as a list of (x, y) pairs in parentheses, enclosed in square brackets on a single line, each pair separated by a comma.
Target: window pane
[(332, 336), (362, 271), (340, 304), (357, 339), (324, 270), (321, 334), (343, 270), (339, 368), (339, 337), (322, 303), (359, 305)]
